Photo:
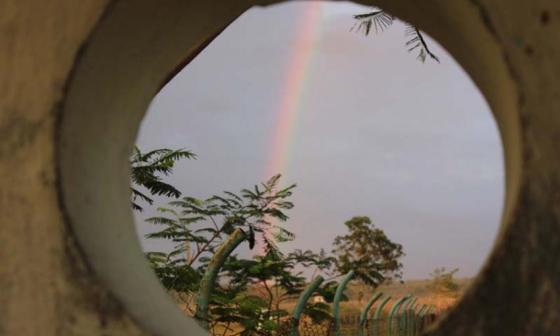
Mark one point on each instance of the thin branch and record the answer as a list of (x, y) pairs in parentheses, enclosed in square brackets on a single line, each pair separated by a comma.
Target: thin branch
[(271, 296), (204, 247), (214, 222)]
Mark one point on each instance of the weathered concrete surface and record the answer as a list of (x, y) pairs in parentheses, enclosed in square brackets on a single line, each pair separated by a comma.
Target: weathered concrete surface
[(67, 182), (45, 288), (518, 293)]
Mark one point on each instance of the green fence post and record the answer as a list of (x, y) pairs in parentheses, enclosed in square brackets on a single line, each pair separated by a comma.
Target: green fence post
[(409, 315), (337, 297), (392, 312), (422, 311), (377, 315), (364, 314), (209, 278), (414, 318), (420, 316), (302, 301), (404, 321), (429, 311)]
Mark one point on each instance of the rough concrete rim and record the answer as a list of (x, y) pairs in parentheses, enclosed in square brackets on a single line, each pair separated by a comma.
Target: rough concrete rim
[(121, 67)]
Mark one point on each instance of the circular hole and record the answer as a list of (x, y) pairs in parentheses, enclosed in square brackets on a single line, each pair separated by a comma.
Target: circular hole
[(117, 74), (364, 126)]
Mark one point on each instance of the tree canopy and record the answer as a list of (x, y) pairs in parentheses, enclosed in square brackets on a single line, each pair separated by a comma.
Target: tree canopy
[(367, 251)]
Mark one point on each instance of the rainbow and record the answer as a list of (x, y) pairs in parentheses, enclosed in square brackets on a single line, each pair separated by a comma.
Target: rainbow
[(292, 98)]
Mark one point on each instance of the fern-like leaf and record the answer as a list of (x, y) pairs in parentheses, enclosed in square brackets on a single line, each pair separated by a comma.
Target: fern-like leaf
[(379, 20), (416, 41)]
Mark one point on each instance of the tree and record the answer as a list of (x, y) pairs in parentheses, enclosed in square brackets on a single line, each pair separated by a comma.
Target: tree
[(199, 227), (273, 279), (368, 251), (442, 281), (381, 20), (146, 171), (249, 292)]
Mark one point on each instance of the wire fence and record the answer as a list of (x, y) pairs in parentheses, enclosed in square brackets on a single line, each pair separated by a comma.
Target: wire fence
[(402, 325), (406, 324)]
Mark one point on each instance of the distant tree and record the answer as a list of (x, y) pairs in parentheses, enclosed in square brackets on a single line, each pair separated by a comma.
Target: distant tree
[(368, 251), (147, 170), (380, 20), (443, 282)]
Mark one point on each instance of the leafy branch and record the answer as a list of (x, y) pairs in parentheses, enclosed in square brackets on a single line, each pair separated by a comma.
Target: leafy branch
[(198, 226), (380, 21), (147, 170), (417, 41)]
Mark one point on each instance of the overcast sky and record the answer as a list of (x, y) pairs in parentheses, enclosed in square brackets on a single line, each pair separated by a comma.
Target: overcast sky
[(377, 133)]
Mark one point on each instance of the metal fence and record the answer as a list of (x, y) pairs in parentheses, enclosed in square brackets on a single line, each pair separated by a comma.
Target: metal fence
[(402, 325)]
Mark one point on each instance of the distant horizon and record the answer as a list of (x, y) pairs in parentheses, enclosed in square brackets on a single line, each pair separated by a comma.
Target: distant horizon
[(368, 131)]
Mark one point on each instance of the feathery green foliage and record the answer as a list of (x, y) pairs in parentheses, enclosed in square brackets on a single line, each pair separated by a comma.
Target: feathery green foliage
[(198, 227), (147, 170)]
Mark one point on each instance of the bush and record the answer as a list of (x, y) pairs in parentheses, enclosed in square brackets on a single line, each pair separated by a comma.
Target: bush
[(442, 281)]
